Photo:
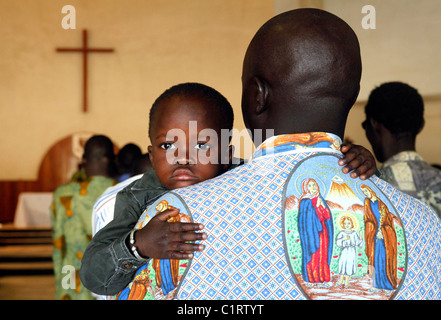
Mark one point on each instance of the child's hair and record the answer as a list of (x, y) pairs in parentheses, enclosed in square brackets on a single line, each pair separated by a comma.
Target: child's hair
[(192, 89), (343, 220)]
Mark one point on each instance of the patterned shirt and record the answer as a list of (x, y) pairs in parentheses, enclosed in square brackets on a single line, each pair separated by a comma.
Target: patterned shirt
[(408, 172), (72, 232), (275, 227), (104, 207)]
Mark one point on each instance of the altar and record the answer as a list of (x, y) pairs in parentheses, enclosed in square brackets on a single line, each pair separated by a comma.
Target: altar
[(33, 210)]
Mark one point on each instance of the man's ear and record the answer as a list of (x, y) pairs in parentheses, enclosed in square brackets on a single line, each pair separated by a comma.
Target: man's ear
[(261, 95), (376, 126)]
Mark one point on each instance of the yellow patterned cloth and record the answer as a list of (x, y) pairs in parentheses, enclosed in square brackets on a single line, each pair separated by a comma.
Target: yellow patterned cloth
[(72, 231)]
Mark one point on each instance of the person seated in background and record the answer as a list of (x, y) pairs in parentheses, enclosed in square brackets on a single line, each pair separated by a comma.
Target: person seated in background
[(394, 118), (71, 215), (126, 159)]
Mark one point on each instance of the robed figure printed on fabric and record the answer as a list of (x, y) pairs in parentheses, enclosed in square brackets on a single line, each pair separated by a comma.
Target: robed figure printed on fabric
[(342, 237), (316, 232), (381, 241), (158, 278)]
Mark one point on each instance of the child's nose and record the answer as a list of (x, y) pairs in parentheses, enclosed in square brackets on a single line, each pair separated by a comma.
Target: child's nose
[(183, 161), (185, 158)]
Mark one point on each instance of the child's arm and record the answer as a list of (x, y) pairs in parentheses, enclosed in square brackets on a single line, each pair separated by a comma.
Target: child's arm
[(160, 239), (359, 160)]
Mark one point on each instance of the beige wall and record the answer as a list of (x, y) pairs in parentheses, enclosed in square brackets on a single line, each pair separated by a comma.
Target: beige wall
[(405, 46), (160, 43), (157, 44)]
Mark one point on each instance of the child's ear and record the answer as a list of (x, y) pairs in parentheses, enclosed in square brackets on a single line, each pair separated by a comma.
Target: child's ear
[(149, 150), (226, 166), (230, 154)]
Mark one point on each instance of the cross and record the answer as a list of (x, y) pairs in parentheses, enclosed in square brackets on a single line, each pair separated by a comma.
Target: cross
[(84, 50)]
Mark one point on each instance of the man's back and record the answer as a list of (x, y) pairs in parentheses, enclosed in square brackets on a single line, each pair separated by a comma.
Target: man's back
[(72, 230), (289, 224)]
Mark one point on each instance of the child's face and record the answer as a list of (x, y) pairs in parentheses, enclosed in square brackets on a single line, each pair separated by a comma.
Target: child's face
[(191, 156)]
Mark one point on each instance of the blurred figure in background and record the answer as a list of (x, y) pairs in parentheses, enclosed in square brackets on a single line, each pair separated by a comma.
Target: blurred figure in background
[(71, 216), (394, 118), (126, 160)]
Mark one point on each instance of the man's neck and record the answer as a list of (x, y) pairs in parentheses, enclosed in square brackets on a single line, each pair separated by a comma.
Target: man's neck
[(399, 146)]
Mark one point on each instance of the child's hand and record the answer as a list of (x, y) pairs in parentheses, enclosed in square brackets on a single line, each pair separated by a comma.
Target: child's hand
[(168, 240), (358, 159)]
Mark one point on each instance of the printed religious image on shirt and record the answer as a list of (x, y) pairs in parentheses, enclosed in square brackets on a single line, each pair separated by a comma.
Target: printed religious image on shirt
[(158, 278), (343, 238)]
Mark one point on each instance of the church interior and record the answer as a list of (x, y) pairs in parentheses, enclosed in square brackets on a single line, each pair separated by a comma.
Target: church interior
[(71, 69)]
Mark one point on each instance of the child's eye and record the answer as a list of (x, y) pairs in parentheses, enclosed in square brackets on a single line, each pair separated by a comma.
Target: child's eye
[(167, 146), (202, 146)]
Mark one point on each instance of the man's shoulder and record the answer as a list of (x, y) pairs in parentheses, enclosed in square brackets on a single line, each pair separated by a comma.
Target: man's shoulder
[(102, 181), (67, 188)]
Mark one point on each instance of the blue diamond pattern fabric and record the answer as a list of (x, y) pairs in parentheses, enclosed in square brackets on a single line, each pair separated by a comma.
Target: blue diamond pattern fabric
[(254, 250)]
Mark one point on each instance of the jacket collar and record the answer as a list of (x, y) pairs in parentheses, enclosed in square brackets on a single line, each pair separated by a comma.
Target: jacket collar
[(299, 142)]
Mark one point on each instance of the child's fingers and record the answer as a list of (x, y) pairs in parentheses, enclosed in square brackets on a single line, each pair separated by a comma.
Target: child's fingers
[(178, 226), (185, 226), (364, 170), (348, 157), (369, 173), (345, 147), (185, 250), (167, 214), (178, 255), (356, 163), (184, 246)]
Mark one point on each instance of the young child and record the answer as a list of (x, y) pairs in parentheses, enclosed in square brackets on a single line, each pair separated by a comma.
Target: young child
[(185, 134), (182, 156), (186, 124)]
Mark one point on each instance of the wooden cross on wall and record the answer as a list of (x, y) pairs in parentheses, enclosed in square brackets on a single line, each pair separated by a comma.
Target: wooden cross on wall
[(85, 50)]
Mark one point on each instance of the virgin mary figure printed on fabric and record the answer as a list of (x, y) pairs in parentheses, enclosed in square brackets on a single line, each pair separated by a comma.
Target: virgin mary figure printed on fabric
[(316, 234)]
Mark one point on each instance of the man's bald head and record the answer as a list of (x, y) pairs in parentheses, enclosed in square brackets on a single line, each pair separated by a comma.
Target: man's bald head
[(301, 73)]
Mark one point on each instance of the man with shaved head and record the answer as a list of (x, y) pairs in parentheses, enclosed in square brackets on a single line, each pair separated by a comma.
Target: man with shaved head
[(289, 224), (301, 73)]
